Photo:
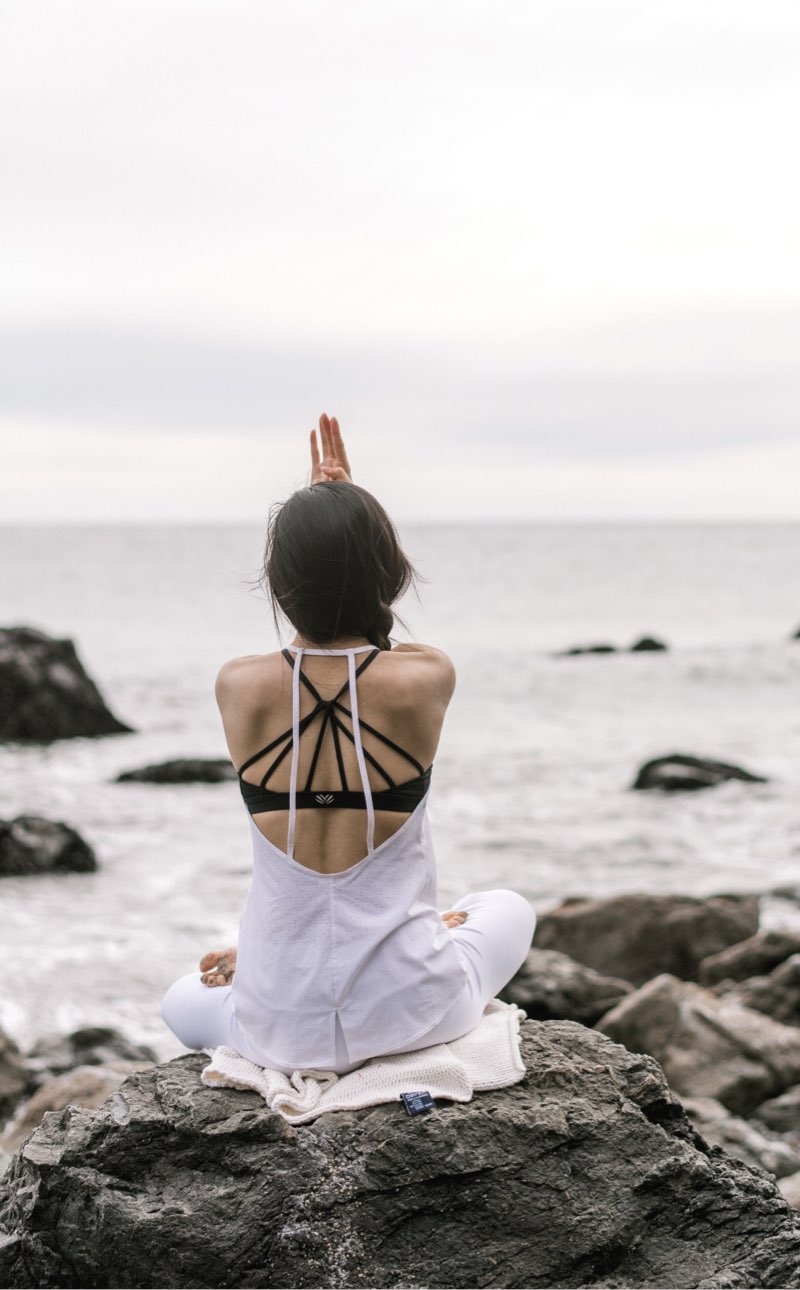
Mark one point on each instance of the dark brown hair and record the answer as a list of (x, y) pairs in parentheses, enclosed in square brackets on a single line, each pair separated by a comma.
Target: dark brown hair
[(333, 564)]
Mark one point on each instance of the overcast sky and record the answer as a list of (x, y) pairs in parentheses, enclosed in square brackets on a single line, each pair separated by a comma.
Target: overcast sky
[(541, 259)]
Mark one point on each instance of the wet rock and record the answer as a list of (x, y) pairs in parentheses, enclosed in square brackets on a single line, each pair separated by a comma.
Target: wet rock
[(782, 1114), (777, 994), (680, 772), (636, 936), (87, 1046), (708, 1047), (30, 844), (790, 1190), (183, 770), (553, 987), (86, 1086), (586, 649), (757, 1147), (648, 643), (45, 694), (756, 956), (14, 1075), (587, 1173)]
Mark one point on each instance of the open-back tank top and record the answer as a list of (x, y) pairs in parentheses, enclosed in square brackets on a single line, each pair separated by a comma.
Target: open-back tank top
[(367, 945)]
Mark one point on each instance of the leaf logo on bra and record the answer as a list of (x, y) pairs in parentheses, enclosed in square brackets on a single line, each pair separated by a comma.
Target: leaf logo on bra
[(324, 799)]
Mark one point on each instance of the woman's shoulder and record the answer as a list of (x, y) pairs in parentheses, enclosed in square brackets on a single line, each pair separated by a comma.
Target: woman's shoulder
[(251, 675), (425, 665)]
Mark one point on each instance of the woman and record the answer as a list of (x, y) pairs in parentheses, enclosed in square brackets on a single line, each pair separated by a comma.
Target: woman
[(342, 955)]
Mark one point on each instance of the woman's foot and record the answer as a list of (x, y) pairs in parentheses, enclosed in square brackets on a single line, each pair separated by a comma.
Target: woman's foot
[(218, 966), (454, 918)]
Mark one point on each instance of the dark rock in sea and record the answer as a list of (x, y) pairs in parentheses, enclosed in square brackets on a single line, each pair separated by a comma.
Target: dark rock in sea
[(587, 1173), (796, 635), (30, 844), (586, 649), (756, 1146), (553, 987), (753, 957), (636, 936), (708, 1047), (45, 693), (648, 643), (782, 1114), (15, 1078), (680, 773), (183, 770), (88, 1046), (777, 994), (87, 1086)]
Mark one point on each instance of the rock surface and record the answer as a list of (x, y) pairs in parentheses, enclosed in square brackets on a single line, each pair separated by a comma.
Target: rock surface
[(45, 694), (708, 1047), (648, 643), (754, 957), (587, 1173), (87, 1046), (553, 987), (748, 1142), (14, 1076), (183, 770), (777, 994), (782, 1113), (636, 937), (681, 772), (85, 1086), (31, 844)]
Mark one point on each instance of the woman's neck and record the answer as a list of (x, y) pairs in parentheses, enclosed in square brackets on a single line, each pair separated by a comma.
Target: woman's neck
[(341, 642)]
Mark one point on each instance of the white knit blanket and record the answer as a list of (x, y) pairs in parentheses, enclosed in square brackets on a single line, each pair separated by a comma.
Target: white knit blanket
[(487, 1057)]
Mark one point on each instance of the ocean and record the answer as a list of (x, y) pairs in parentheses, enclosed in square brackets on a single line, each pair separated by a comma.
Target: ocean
[(531, 787)]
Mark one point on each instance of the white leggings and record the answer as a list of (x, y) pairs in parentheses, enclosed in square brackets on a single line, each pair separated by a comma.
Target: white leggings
[(493, 942)]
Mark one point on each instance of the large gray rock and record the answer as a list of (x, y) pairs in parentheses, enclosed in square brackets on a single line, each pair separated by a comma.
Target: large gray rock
[(637, 936), (682, 772), (31, 844), (708, 1047), (585, 1174), (14, 1076), (86, 1086), (45, 694), (754, 957), (87, 1046), (553, 987), (753, 1144), (183, 770)]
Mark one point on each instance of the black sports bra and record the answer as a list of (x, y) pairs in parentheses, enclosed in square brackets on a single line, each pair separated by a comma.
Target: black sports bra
[(395, 797)]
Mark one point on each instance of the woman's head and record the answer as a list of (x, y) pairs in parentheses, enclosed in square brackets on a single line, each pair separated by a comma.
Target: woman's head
[(333, 564)]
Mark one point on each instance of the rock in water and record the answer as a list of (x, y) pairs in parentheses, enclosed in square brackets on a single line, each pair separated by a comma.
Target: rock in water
[(30, 844), (754, 957), (749, 1142), (14, 1077), (708, 1047), (184, 770), (782, 1114), (777, 995), (88, 1046), (586, 649), (680, 772), (587, 1173), (647, 643), (637, 936), (553, 987), (45, 693)]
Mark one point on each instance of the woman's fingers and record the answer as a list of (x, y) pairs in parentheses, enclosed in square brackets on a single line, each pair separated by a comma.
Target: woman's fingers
[(315, 458), (326, 435), (339, 450)]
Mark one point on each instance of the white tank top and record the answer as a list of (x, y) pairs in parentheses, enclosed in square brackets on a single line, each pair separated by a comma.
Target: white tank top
[(366, 945)]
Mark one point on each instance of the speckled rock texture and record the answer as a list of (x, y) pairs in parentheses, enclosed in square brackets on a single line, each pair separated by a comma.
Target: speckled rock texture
[(587, 1173)]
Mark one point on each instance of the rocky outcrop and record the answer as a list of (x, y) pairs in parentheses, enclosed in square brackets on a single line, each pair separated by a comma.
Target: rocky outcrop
[(637, 936), (586, 649), (87, 1046), (756, 1146), (45, 694), (680, 772), (30, 844), (553, 987), (707, 1046), (782, 1114), (756, 956), (777, 994), (587, 1173), (14, 1076), (647, 643), (183, 770)]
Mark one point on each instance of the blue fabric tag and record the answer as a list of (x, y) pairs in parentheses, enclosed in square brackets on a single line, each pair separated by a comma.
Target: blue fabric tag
[(415, 1103)]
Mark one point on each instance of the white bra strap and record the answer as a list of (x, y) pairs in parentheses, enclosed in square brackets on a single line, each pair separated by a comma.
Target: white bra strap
[(362, 765), (295, 752)]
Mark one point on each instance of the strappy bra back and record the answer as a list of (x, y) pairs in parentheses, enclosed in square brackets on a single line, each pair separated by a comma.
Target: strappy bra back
[(340, 722)]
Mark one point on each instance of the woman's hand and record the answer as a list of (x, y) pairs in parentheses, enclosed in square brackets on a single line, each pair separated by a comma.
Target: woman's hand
[(218, 966), (332, 466), (454, 918)]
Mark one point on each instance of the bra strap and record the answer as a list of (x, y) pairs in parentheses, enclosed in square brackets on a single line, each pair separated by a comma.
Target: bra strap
[(362, 765), (295, 752)]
